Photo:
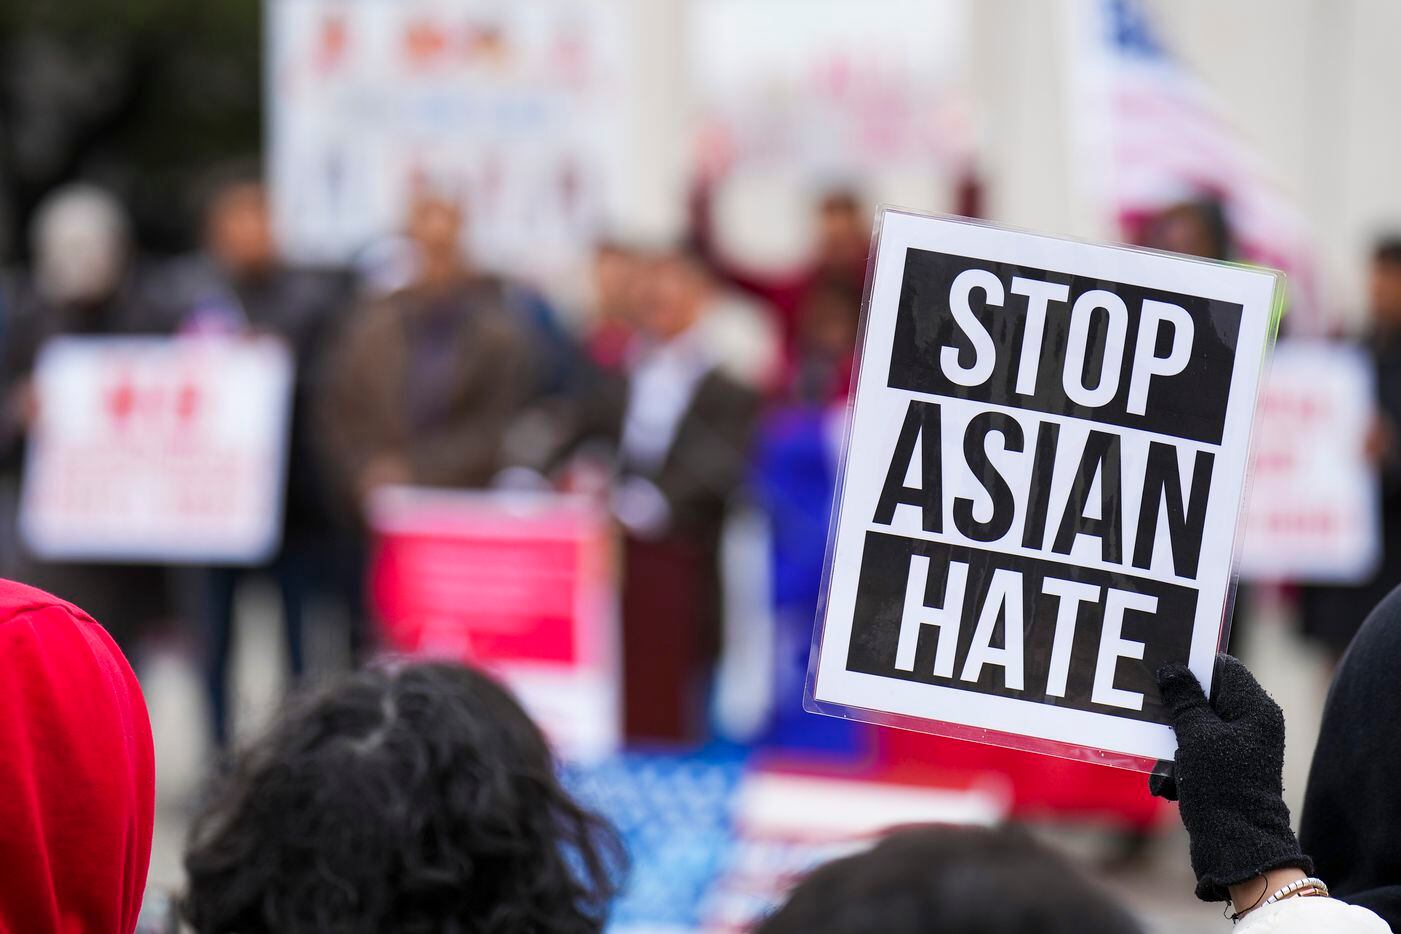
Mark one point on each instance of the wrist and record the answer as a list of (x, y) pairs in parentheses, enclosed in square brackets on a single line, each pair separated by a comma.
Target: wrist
[(1249, 895)]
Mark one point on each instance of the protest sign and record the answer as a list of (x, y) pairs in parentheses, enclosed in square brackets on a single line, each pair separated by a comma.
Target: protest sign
[(169, 450), (522, 111), (1314, 498), (518, 583), (1041, 486)]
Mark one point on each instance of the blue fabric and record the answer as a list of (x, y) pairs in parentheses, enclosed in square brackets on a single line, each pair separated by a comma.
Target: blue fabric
[(794, 480), (674, 814), (561, 367)]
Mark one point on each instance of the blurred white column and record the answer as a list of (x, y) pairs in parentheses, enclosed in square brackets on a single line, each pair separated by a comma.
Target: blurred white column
[(651, 206), (1021, 83), (1311, 84)]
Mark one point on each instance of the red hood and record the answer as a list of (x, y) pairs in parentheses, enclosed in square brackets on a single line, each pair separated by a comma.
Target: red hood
[(77, 772)]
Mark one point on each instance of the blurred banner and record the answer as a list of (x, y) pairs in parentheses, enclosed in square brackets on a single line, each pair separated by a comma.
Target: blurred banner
[(519, 109), (1314, 500), (158, 449), (521, 584), (785, 827), (1150, 136), (798, 96), (830, 86)]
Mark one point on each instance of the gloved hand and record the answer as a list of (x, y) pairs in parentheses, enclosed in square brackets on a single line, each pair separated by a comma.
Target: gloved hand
[(1228, 777)]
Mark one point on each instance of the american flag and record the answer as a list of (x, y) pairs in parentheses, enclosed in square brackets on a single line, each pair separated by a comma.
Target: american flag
[(1152, 135)]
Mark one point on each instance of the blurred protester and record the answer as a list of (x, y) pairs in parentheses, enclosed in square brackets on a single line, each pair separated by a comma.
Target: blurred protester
[(1228, 780), (825, 350), (842, 242), (950, 880), (1331, 615), (77, 776), (86, 281), (616, 282), (239, 284), (1352, 804), (677, 429), (1201, 227), (426, 383), (737, 332), (412, 799), (797, 455), (1195, 228)]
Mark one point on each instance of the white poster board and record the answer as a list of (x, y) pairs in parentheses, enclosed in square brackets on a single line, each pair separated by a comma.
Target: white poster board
[(1041, 487), (1314, 498), (517, 109), (169, 450), (795, 97)]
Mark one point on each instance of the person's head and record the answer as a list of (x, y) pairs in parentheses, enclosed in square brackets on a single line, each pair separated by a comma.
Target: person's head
[(398, 800), (238, 231), (1195, 228), (1384, 286), (77, 772), (949, 880), (828, 321), (434, 228), (674, 293), (616, 279), (843, 230), (81, 241)]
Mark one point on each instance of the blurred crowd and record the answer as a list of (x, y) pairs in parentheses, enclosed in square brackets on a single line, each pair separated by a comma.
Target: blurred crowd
[(690, 384), (420, 367), (689, 389)]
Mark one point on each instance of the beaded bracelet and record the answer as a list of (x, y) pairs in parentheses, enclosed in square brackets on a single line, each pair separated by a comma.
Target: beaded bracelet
[(1297, 887), (1301, 888)]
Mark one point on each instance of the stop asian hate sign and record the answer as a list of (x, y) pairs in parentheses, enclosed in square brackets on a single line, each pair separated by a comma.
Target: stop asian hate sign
[(1042, 486)]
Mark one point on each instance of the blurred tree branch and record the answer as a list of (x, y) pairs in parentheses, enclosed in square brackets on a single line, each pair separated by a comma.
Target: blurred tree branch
[(143, 96)]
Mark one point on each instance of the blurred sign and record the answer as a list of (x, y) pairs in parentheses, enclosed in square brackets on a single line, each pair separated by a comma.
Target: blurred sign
[(158, 449), (832, 86), (1314, 499), (795, 96), (520, 584), (515, 108), (785, 827), (1043, 479)]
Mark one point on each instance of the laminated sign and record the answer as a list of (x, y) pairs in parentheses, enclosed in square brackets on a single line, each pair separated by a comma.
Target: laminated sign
[(1040, 496)]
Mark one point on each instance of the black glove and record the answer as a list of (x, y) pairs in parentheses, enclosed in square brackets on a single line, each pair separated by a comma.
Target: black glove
[(1228, 777)]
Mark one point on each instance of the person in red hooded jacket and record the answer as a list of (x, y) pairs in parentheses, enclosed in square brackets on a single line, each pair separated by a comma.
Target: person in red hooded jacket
[(77, 772)]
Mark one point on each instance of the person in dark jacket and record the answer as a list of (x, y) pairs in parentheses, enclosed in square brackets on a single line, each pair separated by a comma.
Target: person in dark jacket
[(1331, 614), (1352, 804), (239, 284), (677, 430), (86, 281)]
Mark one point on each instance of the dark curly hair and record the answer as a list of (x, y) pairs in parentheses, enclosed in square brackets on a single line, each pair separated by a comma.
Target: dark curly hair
[(950, 880), (417, 799)]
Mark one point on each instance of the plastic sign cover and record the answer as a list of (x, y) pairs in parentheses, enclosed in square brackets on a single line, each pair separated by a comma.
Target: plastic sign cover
[(1042, 485)]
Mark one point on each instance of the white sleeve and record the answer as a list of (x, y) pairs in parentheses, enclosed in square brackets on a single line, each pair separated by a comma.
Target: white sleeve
[(1311, 915)]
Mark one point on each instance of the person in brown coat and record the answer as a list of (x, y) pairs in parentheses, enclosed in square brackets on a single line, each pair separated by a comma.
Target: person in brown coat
[(425, 383)]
